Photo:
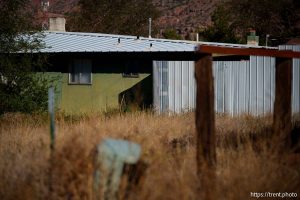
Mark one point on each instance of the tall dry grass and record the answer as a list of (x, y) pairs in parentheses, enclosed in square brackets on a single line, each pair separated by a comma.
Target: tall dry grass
[(245, 161)]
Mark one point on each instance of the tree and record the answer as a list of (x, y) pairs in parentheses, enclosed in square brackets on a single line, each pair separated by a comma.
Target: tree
[(222, 29), (112, 16), (277, 18), (20, 89), (171, 34)]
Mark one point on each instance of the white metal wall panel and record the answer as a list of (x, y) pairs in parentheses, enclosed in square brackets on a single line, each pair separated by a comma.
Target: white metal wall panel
[(160, 86), (172, 78), (178, 89), (296, 83), (262, 84), (155, 67), (219, 89), (185, 87), (180, 83), (269, 84), (192, 85), (228, 88), (253, 87), (246, 86), (232, 86), (164, 83)]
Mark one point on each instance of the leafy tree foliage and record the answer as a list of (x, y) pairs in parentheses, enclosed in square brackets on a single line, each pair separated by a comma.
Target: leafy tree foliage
[(222, 29), (171, 34), (112, 16), (233, 19), (20, 89)]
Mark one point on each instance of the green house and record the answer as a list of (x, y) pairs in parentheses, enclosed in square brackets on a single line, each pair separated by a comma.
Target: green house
[(99, 72)]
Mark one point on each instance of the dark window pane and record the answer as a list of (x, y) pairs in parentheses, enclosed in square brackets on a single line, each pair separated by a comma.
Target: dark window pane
[(86, 70), (81, 71), (131, 69), (75, 73)]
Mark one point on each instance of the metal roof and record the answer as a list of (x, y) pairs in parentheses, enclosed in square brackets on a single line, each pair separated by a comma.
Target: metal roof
[(231, 45), (56, 42)]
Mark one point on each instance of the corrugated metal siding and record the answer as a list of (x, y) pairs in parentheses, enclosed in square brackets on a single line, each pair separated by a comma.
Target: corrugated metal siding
[(244, 86), (160, 86), (229, 89), (178, 95), (296, 78), (262, 84), (240, 86)]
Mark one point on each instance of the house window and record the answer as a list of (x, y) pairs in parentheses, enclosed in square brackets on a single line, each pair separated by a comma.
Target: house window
[(131, 70), (81, 72)]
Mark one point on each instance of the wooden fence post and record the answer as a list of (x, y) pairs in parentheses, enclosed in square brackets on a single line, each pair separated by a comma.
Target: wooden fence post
[(282, 116), (205, 125), (51, 110)]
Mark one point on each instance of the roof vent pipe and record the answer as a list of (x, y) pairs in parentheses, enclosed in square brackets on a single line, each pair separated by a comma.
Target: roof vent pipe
[(150, 21)]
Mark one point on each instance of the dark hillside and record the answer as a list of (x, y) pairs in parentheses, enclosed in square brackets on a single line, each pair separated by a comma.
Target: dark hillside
[(184, 16)]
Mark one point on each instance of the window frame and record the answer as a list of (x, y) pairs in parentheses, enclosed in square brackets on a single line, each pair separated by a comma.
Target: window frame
[(72, 65), (130, 70)]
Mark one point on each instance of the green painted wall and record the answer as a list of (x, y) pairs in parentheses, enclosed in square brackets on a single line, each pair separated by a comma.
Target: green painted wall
[(101, 95)]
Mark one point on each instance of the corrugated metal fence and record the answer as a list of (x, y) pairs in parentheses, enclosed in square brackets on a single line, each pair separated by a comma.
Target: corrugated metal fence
[(246, 86)]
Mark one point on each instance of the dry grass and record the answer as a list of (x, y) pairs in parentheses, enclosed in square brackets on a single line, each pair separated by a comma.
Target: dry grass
[(245, 163)]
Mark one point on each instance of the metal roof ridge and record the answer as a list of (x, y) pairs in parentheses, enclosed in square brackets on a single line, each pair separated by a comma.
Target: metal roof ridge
[(89, 34), (119, 36), (190, 42), (233, 45)]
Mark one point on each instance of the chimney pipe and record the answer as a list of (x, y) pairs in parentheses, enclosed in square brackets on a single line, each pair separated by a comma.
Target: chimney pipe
[(150, 21), (57, 24)]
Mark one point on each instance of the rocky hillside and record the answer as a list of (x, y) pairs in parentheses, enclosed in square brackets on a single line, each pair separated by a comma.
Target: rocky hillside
[(184, 16)]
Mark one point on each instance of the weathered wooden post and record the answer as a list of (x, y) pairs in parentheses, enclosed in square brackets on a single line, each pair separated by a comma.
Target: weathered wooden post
[(205, 125), (282, 124), (51, 110)]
